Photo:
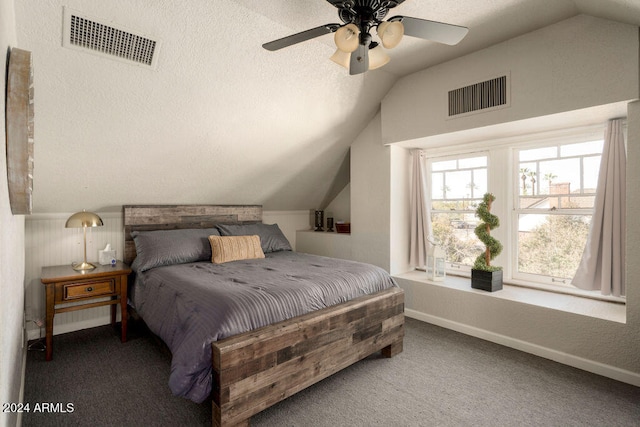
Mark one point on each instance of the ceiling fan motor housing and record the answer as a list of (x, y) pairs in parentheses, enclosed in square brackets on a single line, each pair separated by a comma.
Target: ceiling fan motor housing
[(364, 13)]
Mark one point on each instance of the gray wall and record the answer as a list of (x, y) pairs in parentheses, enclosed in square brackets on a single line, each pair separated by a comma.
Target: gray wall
[(370, 195)]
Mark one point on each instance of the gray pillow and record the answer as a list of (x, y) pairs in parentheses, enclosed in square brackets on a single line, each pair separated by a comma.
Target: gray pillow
[(271, 237), (167, 247)]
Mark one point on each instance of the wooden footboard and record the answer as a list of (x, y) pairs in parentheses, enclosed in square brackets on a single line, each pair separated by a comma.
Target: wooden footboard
[(257, 369)]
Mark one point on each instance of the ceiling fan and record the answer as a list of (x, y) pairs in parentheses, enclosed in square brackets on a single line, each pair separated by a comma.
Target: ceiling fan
[(356, 49)]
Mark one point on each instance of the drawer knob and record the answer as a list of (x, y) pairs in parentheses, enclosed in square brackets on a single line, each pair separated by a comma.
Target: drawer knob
[(89, 289)]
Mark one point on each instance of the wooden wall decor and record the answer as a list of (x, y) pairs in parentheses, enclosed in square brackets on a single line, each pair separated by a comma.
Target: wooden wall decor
[(19, 127)]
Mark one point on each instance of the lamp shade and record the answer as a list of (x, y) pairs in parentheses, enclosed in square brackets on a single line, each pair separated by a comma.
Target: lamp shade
[(390, 33), (342, 58), (377, 56), (346, 38), (84, 219)]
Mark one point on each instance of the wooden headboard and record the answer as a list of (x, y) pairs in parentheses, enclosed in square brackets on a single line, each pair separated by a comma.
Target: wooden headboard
[(171, 217)]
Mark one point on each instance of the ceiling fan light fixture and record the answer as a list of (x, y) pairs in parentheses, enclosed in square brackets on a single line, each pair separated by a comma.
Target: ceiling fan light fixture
[(347, 38), (341, 58), (377, 57), (390, 33), (353, 37)]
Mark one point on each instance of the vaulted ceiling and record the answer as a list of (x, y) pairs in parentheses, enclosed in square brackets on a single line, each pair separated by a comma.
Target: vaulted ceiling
[(221, 120)]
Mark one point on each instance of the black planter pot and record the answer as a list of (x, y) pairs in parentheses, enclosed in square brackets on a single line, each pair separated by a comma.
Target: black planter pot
[(486, 280)]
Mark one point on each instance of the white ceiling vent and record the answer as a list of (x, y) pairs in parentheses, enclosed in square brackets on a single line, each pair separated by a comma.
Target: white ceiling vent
[(479, 97), (91, 35)]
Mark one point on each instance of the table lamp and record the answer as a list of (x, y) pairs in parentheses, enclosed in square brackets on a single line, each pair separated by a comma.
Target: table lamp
[(83, 220)]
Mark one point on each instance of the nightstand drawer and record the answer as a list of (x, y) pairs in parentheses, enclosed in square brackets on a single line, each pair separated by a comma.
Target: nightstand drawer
[(89, 289)]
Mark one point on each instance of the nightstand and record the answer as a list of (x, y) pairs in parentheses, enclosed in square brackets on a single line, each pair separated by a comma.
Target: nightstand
[(70, 290)]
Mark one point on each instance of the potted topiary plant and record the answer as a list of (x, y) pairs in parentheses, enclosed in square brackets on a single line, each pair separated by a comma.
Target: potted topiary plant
[(484, 275)]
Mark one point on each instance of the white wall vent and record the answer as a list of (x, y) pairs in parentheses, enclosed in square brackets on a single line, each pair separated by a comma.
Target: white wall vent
[(480, 96), (91, 35)]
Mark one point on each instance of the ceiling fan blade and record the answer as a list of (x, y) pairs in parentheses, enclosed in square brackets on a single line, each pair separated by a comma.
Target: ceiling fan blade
[(359, 62), (301, 37), (432, 30)]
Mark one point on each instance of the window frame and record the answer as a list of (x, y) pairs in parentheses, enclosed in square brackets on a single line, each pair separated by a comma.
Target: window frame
[(533, 278), (503, 151)]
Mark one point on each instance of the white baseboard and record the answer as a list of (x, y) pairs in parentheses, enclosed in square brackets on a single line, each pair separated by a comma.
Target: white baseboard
[(608, 371), (73, 326)]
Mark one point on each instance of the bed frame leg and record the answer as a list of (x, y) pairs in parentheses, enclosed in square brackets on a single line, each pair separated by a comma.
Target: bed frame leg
[(392, 350), (217, 419), (244, 423)]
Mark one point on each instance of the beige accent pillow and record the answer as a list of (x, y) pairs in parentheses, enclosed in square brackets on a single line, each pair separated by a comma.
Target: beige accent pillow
[(234, 248)]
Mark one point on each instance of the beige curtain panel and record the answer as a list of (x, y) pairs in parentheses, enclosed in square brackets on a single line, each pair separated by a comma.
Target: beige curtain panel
[(603, 261), (420, 212)]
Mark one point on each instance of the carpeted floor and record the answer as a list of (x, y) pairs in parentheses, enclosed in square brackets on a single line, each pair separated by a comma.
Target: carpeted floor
[(442, 378)]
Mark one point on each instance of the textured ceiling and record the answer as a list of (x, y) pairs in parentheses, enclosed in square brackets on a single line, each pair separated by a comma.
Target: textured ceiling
[(221, 120)]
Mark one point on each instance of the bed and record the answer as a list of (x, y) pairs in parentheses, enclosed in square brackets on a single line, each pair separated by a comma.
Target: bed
[(261, 358)]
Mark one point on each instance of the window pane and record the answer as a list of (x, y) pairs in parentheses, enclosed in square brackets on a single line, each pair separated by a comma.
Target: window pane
[(578, 202), (437, 186), (457, 187), (457, 205), (455, 233), (535, 203), (472, 162), (551, 245), (554, 177), (559, 181), (567, 171), (457, 184), (550, 182), (581, 149), (538, 154), (480, 182), (591, 171), (557, 202), (441, 166), (528, 179)]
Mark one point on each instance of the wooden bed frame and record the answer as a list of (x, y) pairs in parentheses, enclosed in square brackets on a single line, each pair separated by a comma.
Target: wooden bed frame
[(256, 369)]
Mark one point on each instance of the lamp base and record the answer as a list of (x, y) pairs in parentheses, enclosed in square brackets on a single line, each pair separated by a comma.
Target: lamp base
[(83, 266)]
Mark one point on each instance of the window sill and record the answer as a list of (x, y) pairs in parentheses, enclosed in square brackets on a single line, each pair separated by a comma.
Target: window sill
[(605, 310)]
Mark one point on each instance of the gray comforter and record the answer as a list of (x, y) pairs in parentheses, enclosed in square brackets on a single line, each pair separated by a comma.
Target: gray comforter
[(191, 305)]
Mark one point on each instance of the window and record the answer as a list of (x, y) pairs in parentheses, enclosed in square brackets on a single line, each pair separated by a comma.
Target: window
[(457, 186), (556, 194), (545, 193)]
